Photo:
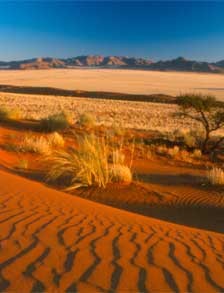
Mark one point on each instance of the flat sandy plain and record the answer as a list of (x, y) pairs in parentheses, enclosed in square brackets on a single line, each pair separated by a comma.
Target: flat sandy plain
[(124, 81)]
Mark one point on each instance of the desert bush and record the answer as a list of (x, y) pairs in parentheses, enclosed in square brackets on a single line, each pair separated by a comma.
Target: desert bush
[(56, 140), (197, 154), (7, 114), (88, 165), (172, 152), (161, 150), (215, 176), (189, 139), (86, 120), (205, 110), (185, 156), (35, 144), (55, 122)]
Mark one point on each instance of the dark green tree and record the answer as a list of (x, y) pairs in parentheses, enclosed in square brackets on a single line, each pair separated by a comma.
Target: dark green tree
[(206, 110)]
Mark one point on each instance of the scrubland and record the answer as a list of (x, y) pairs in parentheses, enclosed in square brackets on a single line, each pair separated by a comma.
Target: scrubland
[(124, 188), (136, 115)]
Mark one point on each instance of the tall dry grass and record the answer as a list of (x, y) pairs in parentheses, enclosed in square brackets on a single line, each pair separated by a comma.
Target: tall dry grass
[(89, 164), (215, 176)]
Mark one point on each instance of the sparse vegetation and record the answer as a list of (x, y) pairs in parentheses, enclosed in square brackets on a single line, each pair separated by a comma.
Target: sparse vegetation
[(88, 165), (38, 144)]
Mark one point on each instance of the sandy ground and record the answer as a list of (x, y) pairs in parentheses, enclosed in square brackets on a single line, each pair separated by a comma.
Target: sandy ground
[(53, 242), (127, 81)]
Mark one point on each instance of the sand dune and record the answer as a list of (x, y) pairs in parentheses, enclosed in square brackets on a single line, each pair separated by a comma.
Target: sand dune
[(125, 81), (54, 242)]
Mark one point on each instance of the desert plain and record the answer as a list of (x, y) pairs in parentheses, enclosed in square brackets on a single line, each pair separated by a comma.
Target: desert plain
[(160, 231), (123, 81)]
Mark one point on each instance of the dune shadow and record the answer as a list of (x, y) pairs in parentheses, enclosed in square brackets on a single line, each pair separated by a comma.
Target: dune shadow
[(23, 125), (172, 179)]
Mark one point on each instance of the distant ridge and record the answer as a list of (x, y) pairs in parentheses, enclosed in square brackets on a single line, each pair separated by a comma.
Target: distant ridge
[(178, 64)]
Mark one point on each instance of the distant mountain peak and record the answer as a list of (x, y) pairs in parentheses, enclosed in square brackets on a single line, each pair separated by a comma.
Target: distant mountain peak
[(99, 61)]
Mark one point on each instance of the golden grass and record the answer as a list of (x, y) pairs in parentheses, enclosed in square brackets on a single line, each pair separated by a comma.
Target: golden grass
[(38, 144), (87, 120), (88, 165), (216, 176), (56, 140), (35, 144)]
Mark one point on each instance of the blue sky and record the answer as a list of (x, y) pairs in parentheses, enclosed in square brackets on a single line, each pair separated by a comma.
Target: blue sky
[(157, 30)]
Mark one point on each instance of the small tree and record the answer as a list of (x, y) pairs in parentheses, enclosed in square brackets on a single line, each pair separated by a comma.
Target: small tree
[(208, 112)]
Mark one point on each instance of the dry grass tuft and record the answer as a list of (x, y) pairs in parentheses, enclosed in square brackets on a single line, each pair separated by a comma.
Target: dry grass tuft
[(56, 140), (120, 173), (35, 144), (216, 176), (87, 120), (88, 165), (23, 164)]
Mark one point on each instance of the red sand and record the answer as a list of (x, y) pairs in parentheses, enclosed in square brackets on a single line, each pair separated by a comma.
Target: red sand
[(51, 241)]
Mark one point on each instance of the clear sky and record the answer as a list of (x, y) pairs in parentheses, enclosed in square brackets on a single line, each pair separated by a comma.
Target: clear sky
[(157, 30)]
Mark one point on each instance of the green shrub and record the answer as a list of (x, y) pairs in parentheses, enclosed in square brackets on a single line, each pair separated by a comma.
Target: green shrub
[(55, 122), (7, 114)]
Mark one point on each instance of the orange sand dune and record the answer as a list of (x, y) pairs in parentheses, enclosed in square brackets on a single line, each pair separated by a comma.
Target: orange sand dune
[(53, 242)]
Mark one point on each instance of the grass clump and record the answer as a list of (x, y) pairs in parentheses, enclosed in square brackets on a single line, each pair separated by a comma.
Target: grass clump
[(55, 122), (7, 114), (197, 154), (173, 152), (35, 144), (215, 176), (120, 173), (88, 165), (86, 120), (56, 140)]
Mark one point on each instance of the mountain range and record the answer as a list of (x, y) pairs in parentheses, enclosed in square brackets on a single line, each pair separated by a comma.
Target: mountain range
[(178, 64)]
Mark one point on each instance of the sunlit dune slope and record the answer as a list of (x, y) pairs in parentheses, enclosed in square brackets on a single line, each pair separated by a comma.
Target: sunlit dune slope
[(54, 242)]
